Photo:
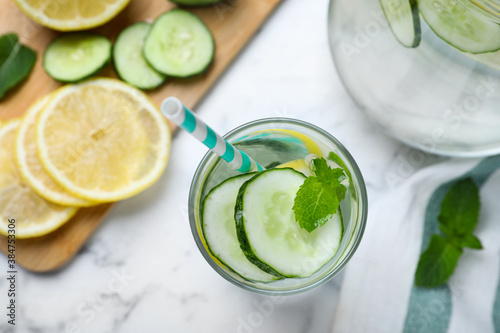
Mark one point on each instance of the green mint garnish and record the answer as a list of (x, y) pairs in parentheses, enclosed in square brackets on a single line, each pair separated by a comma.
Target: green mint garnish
[(336, 158), (16, 62), (318, 199), (457, 220)]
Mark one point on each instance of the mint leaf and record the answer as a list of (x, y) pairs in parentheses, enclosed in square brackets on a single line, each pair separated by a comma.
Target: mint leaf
[(470, 241), (460, 209), (318, 198), (336, 158), (437, 263), (323, 171), (457, 220), (446, 230), (314, 204), (330, 177), (16, 62)]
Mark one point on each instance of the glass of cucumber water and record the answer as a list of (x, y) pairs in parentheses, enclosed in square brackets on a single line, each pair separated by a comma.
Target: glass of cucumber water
[(245, 225), (427, 71)]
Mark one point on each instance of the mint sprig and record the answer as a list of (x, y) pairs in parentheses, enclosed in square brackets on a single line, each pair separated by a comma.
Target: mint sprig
[(318, 198), (438, 262), (458, 218), (16, 62)]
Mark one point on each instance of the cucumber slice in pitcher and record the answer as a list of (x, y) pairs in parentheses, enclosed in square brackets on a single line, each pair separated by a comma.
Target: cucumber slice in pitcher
[(179, 44), (129, 62), (404, 21), (269, 235), (75, 56), (219, 229), (460, 27)]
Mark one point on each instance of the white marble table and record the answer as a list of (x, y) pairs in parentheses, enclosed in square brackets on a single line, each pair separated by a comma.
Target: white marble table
[(142, 272)]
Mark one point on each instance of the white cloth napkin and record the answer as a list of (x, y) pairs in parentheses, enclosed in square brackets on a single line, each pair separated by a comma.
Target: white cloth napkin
[(377, 293)]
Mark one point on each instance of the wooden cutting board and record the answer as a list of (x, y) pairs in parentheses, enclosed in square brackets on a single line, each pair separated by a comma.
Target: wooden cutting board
[(233, 23)]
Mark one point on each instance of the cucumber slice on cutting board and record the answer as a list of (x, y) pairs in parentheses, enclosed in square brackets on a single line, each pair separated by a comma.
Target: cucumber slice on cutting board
[(75, 56), (268, 233), (195, 2), (219, 229), (129, 61), (179, 44), (404, 21), (459, 27)]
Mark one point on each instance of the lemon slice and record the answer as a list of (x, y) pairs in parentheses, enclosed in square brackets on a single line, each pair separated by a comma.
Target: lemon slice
[(33, 215), (102, 140), (309, 144), (299, 165), (29, 165), (70, 15)]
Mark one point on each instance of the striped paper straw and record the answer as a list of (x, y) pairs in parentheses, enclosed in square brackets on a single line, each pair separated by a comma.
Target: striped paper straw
[(173, 109)]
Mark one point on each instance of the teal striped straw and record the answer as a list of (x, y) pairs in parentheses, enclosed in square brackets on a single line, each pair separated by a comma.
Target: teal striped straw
[(173, 109)]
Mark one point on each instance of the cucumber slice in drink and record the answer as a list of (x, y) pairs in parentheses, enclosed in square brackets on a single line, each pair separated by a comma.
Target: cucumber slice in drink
[(219, 229), (75, 56), (129, 62), (459, 27), (403, 19), (195, 2), (268, 233), (179, 44)]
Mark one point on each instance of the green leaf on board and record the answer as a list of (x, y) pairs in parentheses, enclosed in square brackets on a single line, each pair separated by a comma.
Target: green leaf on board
[(16, 62)]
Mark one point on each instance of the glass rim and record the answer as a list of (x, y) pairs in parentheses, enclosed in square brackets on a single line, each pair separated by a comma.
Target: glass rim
[(208, 158)]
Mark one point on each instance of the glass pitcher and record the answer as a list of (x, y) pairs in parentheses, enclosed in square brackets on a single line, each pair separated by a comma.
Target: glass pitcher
[(428, 73)]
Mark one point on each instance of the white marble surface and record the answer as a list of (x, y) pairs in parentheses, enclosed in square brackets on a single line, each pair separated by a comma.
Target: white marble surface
[(164, 284)]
